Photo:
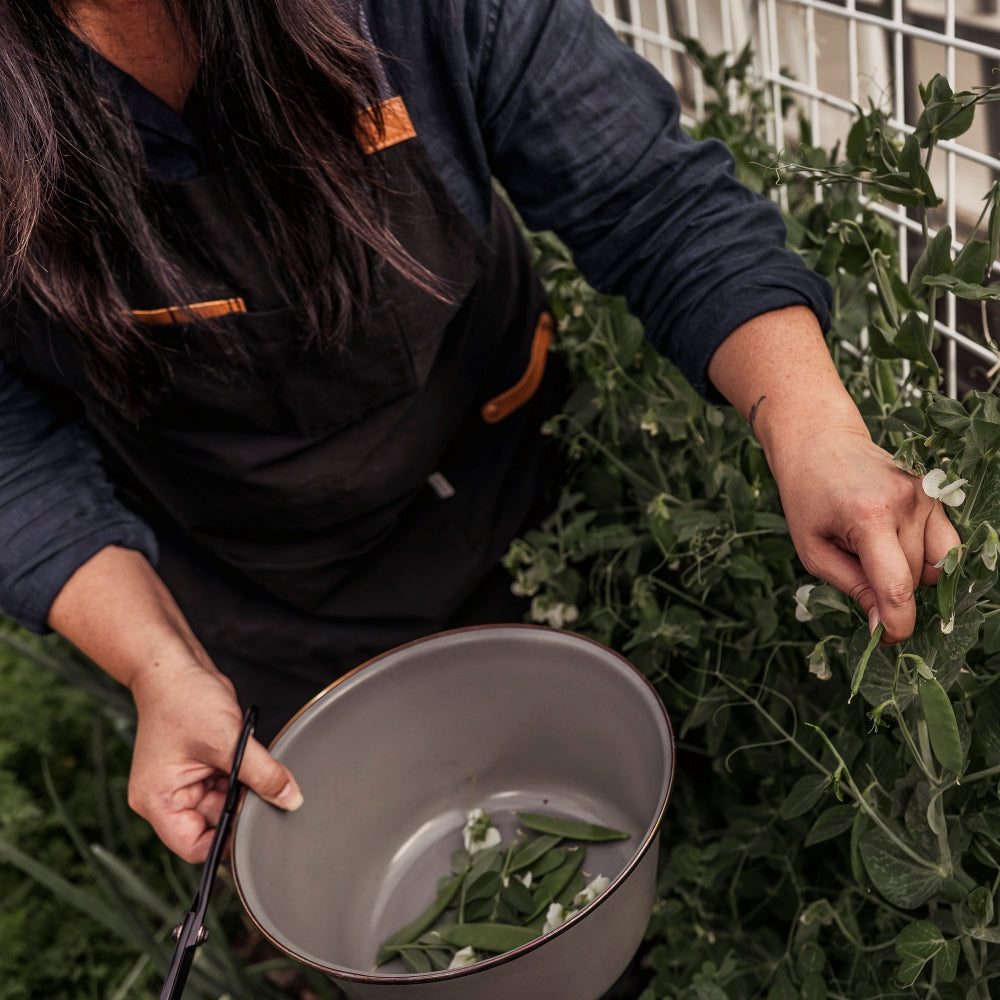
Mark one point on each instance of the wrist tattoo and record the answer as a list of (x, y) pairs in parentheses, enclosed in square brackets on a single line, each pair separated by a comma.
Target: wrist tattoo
[(754, 409)]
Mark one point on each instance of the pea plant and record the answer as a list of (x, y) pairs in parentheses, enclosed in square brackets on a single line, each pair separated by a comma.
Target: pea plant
[(835, 826)]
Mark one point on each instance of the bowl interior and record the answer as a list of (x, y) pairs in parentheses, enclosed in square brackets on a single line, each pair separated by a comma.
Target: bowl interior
[(391, 758)]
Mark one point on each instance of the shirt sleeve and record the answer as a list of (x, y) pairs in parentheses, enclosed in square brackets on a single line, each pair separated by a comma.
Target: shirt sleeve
[(585, 136), (57, 508)]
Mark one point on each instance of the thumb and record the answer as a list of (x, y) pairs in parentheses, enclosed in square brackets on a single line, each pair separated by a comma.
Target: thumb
[(271, 780)]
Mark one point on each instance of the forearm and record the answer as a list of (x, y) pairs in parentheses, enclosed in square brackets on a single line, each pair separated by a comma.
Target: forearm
[(777, 371), (117, 610)]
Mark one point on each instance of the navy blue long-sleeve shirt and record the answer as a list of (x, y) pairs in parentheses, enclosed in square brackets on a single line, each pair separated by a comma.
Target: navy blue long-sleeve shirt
[(585, 137)]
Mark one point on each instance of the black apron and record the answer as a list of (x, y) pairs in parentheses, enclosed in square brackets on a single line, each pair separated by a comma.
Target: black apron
[(315, 507)]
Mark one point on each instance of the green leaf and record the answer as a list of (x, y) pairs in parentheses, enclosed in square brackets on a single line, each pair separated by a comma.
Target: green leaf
[(946, 115), (936, 259), (806, 792), (831, 823), (571, 829), (919, 180), (85, 902), (917, 944), (981, 903), (948, 414), (896, 875), (946, 961), (496, 938), (942, 728), (912, 341), (973, 262), (744, 567), (964, 289)]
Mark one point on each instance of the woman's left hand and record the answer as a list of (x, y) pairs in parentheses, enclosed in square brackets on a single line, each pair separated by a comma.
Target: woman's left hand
[(862, 524), (856, 520)]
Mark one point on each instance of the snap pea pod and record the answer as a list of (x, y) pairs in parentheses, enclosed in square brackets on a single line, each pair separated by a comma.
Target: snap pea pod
[(570, 829), (490, 937), (554, 883), (549, 862), (530, 851), (942, 729), (417, 926)]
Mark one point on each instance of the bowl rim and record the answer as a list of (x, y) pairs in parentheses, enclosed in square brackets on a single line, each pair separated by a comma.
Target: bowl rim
[(494, 961)]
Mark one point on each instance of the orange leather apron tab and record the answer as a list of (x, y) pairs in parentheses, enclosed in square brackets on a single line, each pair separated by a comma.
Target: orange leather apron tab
[(527, 385), (185, 314), (396, 126)]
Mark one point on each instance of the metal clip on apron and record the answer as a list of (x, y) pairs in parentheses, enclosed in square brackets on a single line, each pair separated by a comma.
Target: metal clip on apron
[(191, 932)]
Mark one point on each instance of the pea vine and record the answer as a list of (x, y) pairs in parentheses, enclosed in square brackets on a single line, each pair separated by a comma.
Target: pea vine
[(835, 825)]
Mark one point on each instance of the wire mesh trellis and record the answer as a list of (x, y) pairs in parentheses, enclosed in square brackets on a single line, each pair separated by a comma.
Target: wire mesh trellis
[(834, 56)]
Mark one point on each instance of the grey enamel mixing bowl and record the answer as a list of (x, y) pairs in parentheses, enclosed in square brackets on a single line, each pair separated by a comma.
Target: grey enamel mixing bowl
[(393, 756)]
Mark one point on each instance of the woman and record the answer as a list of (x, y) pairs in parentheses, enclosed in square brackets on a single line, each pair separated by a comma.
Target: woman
[(268, 327)]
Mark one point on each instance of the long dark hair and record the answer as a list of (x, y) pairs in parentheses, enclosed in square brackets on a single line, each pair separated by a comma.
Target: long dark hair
[(284, 80)]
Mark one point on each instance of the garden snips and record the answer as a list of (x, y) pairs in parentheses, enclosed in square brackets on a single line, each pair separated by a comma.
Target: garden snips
[(191, 932)]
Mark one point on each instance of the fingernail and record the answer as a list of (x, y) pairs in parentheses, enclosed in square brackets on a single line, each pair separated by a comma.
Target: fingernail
[(289, 798), (873, 621)]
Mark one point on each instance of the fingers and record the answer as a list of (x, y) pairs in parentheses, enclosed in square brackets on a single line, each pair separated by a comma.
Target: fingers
[(940, 537), (882, 562), (271, 780), (179, 778), (885, 594), (892, 573)]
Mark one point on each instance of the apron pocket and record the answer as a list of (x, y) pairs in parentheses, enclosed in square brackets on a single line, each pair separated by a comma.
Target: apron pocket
[(287, 388)]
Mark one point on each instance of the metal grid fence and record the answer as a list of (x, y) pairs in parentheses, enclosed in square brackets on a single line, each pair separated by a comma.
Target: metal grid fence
[(832, 56)]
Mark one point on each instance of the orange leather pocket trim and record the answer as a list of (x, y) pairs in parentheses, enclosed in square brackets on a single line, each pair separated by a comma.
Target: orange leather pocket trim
[(184, 314), (396, 126), (527, 385)]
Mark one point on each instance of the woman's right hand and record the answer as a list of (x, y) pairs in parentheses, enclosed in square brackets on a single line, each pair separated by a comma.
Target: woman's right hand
[(189, 725), (117, 611)]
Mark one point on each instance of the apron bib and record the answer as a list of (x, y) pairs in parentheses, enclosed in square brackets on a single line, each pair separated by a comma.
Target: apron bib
[(316, 506)]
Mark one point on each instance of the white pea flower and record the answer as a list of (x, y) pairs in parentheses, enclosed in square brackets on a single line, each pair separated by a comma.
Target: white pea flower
[(802, 612), (937, 487), (462, 958), (557, 615), (587, 895), (649, 424), (555, 915), (524, 879), (991, 548), (479, 832), (818, 664)]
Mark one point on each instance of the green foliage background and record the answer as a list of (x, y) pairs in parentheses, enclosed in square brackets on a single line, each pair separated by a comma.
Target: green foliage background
[(833, 838)]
